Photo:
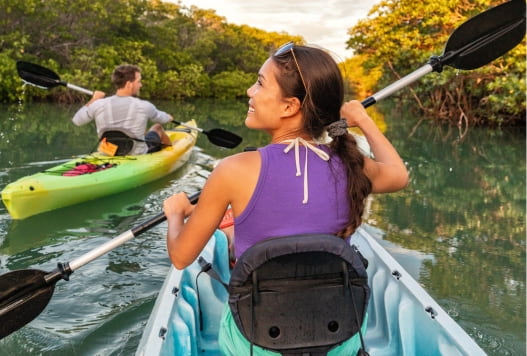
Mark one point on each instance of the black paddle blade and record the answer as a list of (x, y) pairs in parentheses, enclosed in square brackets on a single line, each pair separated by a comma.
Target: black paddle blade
[(23, 296), (37, 75), (486, 36), (223, 138)]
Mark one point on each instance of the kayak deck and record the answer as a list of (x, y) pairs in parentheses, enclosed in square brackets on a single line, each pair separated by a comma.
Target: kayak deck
[(50, 189), (402, 318)]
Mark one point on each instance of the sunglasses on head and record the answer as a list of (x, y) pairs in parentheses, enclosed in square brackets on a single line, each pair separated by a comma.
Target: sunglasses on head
[(288, 47)]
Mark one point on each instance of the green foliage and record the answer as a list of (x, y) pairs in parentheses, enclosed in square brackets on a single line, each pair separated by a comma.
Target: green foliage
[(507, 88), (399, 36), (183, 52), (10, 84), (189, 82), (229, 85), (190, 52)]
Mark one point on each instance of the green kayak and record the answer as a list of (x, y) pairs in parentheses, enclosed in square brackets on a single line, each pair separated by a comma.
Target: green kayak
[(94, 176)]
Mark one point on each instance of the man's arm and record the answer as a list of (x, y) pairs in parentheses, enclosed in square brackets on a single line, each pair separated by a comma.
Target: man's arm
[(82, 116)]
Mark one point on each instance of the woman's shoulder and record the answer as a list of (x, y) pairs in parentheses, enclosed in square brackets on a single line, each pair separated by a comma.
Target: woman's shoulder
[(238, 167), (242, 160), (236, 174)]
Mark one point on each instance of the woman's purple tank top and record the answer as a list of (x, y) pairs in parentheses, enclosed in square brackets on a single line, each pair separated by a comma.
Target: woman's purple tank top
[(276, 208)]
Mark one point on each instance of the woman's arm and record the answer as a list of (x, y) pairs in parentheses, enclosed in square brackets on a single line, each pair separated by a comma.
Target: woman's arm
[(387, 172), (231, 183), (185, 240)]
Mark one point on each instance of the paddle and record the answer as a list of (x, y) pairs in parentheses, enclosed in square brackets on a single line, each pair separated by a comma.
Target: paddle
[(475, 43), (25, 293), (45, 78), (218, 137)]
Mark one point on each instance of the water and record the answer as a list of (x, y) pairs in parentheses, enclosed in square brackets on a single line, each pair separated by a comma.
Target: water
[(459, 228)]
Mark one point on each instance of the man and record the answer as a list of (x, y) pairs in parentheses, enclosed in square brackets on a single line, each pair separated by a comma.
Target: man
[(126, 113)]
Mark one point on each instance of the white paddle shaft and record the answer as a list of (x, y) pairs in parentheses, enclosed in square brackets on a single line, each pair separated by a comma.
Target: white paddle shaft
[(77, 88), (101, 250), (403, 82)]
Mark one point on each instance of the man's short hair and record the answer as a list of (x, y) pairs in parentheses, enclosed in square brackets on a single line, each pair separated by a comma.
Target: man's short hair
[(124, 73)]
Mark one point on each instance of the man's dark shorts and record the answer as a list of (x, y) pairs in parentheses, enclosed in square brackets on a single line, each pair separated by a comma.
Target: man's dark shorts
[(153, 141)]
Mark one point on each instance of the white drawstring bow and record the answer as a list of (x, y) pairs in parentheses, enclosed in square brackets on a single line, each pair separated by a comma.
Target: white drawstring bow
[(320, 153)]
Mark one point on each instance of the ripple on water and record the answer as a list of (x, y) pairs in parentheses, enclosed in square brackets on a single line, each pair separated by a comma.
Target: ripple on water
[(104, 306)]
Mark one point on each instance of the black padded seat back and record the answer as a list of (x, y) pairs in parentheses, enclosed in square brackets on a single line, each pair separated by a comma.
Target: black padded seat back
[(124, 142), (300, 294)]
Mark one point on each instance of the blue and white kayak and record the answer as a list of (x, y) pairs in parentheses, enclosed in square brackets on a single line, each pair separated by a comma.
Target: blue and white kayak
[(402, 317)]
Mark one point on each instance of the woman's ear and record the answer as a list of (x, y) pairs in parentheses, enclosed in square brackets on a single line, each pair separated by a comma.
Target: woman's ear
[(292, 106)]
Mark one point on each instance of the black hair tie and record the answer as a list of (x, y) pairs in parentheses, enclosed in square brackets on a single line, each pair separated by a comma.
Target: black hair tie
[(337, 128)]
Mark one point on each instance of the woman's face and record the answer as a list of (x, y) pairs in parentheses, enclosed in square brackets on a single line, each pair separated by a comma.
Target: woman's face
[(265, 100)]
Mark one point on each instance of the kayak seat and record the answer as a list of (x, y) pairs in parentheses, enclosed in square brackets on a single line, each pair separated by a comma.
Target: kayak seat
[(123, 141), (300, 295)]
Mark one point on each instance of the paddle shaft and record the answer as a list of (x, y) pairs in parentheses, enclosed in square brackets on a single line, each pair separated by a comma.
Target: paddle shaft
[(218, 137), (475, 43), (401, 83), (80, 89), (25, 293), (188, 126), (121, 239)]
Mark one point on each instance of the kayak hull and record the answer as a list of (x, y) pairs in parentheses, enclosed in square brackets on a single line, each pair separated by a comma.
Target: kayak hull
[(50, 190), (402, 318)]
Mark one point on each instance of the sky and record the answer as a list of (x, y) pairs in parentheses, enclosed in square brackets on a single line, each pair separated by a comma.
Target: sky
[(323, 23)]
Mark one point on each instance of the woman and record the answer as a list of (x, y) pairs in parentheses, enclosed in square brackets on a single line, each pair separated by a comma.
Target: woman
[(295, 185)]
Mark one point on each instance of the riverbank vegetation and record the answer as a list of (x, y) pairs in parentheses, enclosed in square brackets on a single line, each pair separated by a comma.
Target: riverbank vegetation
[(190, 52), (400, 36)]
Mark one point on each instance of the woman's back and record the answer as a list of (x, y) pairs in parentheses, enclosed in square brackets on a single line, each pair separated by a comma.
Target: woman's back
[(284, 203)]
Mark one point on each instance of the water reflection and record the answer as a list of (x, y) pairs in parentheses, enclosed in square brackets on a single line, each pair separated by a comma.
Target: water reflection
[(466, 206), (459, 228)]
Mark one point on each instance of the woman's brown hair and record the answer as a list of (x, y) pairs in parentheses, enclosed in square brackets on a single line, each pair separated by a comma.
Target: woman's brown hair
[(312, 76)]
